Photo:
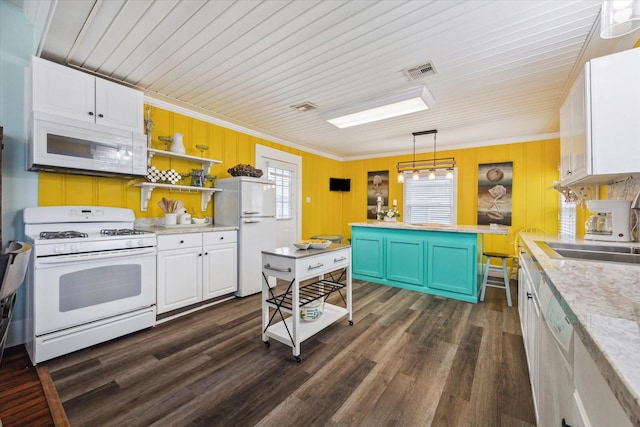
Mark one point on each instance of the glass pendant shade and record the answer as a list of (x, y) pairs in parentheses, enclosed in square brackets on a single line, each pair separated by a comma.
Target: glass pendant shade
[(619, 17)]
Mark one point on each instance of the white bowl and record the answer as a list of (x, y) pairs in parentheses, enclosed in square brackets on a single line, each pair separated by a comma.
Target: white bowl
[(302, 245), (200, 220), (320, 244)]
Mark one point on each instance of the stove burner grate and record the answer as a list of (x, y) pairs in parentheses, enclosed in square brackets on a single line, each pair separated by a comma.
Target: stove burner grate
[(120, 232), (62, 234)]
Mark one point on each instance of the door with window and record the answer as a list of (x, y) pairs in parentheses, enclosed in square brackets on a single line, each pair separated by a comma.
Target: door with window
[(283, 168)]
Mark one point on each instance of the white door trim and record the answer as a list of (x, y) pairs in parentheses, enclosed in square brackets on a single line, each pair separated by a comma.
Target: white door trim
[(263, 154)]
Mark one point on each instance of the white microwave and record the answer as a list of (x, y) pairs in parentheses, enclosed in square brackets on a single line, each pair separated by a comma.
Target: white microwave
[(57, 144)]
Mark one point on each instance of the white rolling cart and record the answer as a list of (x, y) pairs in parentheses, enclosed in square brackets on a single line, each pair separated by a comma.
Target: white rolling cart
[(332, 269)]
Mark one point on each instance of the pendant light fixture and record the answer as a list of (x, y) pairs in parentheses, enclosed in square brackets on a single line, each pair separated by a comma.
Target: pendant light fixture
[(432, 165), (619, 17)]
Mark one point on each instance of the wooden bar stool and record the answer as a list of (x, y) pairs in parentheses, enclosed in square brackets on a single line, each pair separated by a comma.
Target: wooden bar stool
[(495, 283)]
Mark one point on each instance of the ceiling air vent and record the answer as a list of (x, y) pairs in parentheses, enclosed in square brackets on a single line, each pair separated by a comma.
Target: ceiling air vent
[(421, 71), (305, 106)]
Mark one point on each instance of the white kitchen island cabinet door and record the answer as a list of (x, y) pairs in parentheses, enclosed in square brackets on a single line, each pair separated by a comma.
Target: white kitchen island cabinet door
[(179, 278)]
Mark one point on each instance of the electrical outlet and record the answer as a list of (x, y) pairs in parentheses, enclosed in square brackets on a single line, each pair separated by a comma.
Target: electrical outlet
[(308, 199)]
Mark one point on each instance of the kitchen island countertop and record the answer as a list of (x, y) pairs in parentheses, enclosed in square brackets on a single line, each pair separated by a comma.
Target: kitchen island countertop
[(602, 299), (474, 229)]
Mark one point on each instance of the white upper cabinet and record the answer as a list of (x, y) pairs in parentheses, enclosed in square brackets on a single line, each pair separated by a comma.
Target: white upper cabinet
[(63, 91), (599, 125), (573, 133)]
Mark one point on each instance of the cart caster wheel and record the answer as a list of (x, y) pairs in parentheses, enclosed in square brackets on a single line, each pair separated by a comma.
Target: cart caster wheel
[(298, 359), (266, 343), (350, 322)]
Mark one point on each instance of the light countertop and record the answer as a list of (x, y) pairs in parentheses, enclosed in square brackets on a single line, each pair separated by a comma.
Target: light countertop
[(602, 300), (156, 225), (474, 229)]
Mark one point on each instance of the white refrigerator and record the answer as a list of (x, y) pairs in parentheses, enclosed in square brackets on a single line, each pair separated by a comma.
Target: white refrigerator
[(250, 204)]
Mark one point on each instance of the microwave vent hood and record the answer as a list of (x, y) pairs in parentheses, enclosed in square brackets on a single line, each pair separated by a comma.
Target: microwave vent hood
[(66, 146)]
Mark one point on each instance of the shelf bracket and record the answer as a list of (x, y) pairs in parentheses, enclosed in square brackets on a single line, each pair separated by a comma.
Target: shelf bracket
[(145, 196), (206, 196)]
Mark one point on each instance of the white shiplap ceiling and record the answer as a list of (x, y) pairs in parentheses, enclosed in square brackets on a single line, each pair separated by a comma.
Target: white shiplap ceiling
[(503, 67)]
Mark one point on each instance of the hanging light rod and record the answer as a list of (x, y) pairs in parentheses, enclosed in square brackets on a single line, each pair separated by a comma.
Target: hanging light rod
[(431, 164)]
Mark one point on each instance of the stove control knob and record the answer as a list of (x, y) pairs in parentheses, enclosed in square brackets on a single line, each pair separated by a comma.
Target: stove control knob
[(58, 249), (75, 248)]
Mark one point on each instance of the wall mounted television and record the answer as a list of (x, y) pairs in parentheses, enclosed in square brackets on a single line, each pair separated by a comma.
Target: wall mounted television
[(339, 184)]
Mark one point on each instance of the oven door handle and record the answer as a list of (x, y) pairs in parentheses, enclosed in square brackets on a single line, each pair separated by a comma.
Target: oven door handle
[(93, 256)]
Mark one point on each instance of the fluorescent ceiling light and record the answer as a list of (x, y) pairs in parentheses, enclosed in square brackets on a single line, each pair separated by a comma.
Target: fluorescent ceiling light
[(397, 104)]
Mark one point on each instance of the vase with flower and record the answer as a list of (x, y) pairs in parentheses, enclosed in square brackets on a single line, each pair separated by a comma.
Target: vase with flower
[(389, 215)]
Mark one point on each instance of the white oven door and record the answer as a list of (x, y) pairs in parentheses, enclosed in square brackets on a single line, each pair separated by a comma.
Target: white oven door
[(73, 293)]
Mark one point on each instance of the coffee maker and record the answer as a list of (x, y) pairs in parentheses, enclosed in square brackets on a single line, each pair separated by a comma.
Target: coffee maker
[(609, 220)]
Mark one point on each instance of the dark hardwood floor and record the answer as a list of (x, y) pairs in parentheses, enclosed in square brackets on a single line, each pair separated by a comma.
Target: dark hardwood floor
[(27, 394), (410, 359)]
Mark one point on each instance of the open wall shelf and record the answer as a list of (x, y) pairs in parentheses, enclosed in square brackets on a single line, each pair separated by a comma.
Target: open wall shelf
[(146, 188)]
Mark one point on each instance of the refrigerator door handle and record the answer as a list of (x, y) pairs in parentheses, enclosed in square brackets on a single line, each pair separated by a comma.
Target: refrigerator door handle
[(251, 212), (250, 221)]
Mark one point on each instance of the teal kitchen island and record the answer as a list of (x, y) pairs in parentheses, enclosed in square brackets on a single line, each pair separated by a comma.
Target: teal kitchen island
[(431, 258)]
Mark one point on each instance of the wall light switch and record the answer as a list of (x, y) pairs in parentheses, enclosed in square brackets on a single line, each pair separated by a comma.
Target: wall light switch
[(308, 199)]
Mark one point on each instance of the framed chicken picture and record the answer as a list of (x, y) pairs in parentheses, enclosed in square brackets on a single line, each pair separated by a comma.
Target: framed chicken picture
[(494, 193)]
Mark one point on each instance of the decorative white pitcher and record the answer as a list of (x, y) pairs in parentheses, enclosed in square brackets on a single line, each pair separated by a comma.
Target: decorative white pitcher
[(176, 145)]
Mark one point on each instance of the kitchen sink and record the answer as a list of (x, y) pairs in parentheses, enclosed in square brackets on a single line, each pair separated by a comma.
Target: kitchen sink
[(610, 253)]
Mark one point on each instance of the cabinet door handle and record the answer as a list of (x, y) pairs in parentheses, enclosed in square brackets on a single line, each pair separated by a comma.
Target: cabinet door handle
[(568, 172), (181, 241), (199, 254), (100, 115), (206, 253), (91, 113), (529, 296), (564, 423), (339, 259), (222, 238), (285, 270), (311, 267)]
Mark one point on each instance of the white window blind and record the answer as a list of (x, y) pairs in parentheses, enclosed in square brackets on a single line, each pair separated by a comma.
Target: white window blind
[(431, 200), (567, 217), (285, 204)]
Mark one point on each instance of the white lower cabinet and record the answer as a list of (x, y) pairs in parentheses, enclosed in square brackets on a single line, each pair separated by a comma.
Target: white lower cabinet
[(530, 321), (220, 275), (195, 267), (595, 402), (568, 388)]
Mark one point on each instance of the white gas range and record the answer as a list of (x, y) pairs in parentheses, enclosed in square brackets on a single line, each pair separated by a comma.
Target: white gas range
[(92, 278)]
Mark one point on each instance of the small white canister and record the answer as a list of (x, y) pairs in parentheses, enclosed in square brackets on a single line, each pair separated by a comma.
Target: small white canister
[(184, 218)]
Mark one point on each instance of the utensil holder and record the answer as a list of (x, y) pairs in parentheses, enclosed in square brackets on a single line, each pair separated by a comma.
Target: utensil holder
[(170, 219)]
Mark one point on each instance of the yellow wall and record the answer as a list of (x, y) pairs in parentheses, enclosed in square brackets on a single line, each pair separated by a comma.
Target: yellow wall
[(534, 169)]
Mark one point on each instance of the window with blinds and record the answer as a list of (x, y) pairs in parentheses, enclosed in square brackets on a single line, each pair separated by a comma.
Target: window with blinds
[(431, 200), (567, 217), (284, 199)]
